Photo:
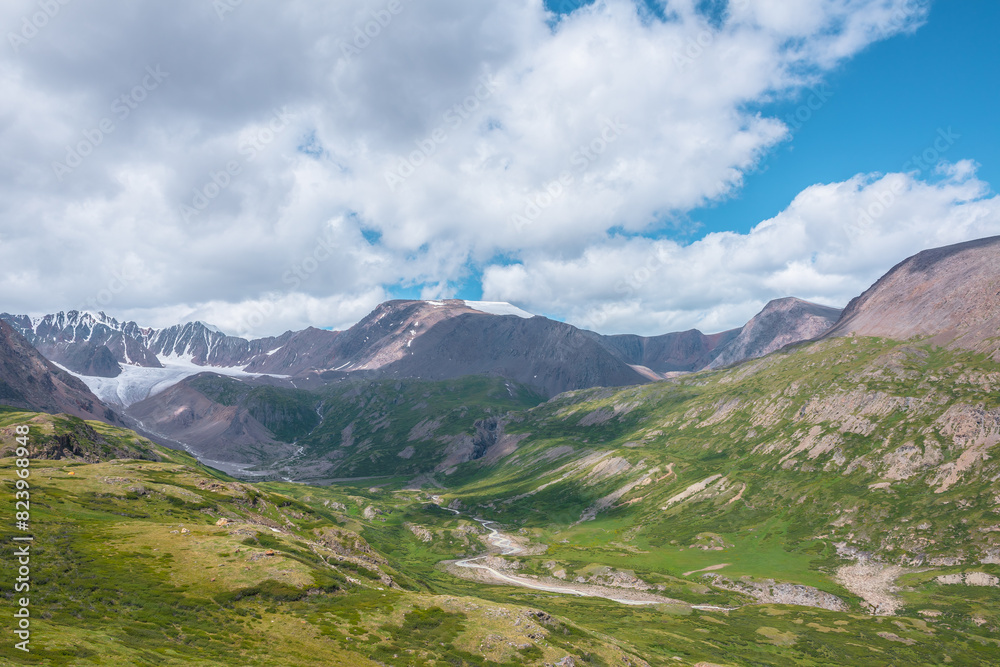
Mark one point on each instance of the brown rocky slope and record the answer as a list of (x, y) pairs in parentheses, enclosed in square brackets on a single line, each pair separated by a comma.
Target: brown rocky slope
[(949, 294), (31, 382)]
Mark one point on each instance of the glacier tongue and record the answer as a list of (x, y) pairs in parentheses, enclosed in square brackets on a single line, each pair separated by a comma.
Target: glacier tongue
[(137, 383)]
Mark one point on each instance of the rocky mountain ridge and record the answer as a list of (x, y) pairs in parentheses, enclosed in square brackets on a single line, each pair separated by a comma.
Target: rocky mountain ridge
[(419, 339)]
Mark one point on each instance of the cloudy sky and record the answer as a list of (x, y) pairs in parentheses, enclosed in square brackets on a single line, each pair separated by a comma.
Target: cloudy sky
[(624, 165)]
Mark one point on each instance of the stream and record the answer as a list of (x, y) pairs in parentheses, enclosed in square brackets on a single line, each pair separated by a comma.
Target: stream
[(508, 547)]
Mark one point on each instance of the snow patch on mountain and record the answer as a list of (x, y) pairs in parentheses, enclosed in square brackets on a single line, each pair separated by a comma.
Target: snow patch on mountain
[(211, 327), (498, 308)]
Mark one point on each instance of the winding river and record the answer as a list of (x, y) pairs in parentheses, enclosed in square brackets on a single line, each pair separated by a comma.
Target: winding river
[(508, 547)]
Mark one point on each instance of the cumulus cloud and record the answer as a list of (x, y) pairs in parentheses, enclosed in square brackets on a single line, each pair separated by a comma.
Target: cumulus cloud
[(830, 244), (183, 158)]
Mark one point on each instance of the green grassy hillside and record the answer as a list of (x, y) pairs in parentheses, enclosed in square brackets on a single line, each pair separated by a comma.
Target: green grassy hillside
[(836, 503), (166, 562), (371, 428)]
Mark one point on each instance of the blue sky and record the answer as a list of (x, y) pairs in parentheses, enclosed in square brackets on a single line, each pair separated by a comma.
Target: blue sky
[(886, 105), (876, 112), (624, 167)]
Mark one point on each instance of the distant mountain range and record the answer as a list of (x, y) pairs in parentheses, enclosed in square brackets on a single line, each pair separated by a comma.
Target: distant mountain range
[(949, 295), (408, 339)]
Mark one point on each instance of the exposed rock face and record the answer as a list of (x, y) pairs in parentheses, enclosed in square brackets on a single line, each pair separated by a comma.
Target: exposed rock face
[(969, 579), (91, 359), (781, 323), (551, 356), (875, 583), (771, 592), (207, 346), (974, 431), (227, 433), (488, 436), (421, 533), (60, 337), (78, 442), (951, 294), (488, 432), (29, 381), (296, 353)]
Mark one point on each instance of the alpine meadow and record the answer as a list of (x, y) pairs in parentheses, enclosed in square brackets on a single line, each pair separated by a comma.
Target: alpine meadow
[(550, 333)]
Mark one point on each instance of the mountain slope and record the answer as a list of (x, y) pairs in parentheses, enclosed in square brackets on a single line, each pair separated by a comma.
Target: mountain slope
[(838, 464), (29, 381), (673, 352), (781, 322), (166, 562), (951, 294), (350, 428), (548, 355), (65, 338), (216, 431), (65, 438)]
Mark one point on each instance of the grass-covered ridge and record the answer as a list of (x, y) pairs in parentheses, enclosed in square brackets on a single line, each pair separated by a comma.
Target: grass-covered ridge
[(65, 436)]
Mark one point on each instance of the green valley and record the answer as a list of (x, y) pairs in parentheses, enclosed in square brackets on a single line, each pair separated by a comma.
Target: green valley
[(837, 501)]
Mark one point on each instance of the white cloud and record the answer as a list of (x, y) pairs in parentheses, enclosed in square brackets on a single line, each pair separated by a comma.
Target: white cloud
[(830, 244), (640, 118), (271, 314)]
